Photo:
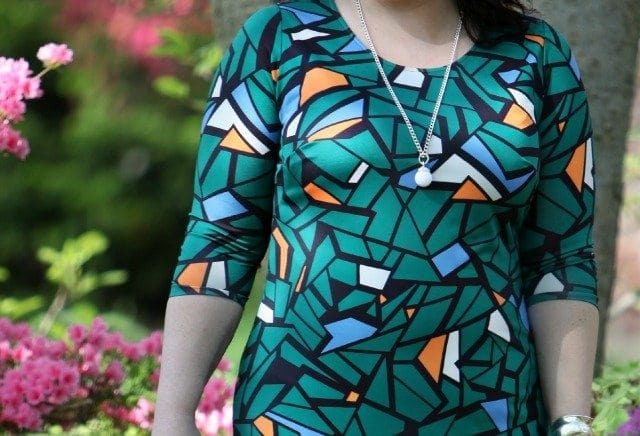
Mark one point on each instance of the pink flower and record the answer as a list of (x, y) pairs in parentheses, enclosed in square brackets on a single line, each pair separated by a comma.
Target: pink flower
[(154, 377), (142, 413), (77, 333), (131, 351), (34, 395), (12, 109), (225, 364), (152, 345), (54, 55), (114, 372), (12, 142), (21, 353)]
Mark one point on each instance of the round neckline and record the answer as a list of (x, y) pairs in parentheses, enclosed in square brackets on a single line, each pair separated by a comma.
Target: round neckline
[(389, 63)]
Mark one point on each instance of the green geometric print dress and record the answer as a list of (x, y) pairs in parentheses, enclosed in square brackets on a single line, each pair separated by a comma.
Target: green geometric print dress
[(390, 308)]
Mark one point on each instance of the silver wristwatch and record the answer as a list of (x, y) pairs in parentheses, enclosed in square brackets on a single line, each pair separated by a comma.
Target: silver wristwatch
[(571, 425)]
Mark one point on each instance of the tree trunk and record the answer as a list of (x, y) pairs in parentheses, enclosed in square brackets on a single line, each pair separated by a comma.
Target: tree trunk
[(229, 16), (604, 38)]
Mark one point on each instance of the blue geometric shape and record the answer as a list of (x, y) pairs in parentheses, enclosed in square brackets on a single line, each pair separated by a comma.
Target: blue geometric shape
[(302, 430), (347, 112), (290, 103), (304, 17), (532, 59), (450, 259), (475, 147), (524, 316), (221, 206), (241, 96), (353, 46), (512, 300), (574, 66), (497, 410), (346, 331), (408, 179), (510, 76), (206, 116)]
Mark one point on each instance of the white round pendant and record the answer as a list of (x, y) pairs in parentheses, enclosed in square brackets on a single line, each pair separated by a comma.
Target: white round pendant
[(423, 177)]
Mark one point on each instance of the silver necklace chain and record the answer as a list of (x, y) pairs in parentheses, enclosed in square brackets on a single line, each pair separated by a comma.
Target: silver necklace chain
[(423, 154)]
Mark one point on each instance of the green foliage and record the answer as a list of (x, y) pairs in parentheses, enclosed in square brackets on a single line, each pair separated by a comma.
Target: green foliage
[(171, 86), (615, 391), (100, 425), (108, 152), (18, 308), (66, 265)]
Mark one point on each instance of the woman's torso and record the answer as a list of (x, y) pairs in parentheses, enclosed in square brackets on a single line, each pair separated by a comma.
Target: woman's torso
[(390, 308)]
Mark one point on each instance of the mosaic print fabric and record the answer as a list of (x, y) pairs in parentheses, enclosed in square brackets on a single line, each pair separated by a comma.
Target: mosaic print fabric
[(389, 308)]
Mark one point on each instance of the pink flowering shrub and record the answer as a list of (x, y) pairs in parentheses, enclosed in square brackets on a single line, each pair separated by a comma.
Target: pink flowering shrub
[(95, 375), (17, 84), (134, 27)]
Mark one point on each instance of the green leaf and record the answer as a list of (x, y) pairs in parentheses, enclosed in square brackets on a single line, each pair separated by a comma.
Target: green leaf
[(171, 87), (15, 308), (4, 274), (113, 278)]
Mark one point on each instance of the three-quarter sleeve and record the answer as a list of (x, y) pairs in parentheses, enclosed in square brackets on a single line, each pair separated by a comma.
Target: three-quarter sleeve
[(556, 238), (229, 222)]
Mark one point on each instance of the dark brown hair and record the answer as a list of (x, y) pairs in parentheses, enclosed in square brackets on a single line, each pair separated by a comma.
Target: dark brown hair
[(481, 16)]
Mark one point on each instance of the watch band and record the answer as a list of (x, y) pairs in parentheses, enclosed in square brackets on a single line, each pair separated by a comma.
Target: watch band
[(571, 425)]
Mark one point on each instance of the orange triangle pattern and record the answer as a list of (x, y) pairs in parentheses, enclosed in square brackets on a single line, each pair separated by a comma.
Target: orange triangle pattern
[(234, 141), (432, 356), (469, 191), (264, 425), (499, 298), (575, 168), (561, 125), (317, 193), (518, 117), (535, 38), (319, 79), (334, 129), (409, 311), (193, 275)]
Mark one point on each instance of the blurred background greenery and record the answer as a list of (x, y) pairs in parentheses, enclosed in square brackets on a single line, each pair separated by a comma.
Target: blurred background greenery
[(113, 150)]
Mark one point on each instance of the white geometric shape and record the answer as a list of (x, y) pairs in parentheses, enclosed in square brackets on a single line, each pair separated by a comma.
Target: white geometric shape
[(357, 174), (292, 128), (224, 117), (410, 77), (456, 170), (451, 356), (217, 87), (217, 277), (498, 325), (588, 177), (523, 101), (307, 34), (373, 277), (265, 313), (436, 145), (548, 283)]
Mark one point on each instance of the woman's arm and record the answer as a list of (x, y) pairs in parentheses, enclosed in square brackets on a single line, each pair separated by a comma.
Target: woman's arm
[(197, 331), (556, 239), (566, 335), (229, 224)]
